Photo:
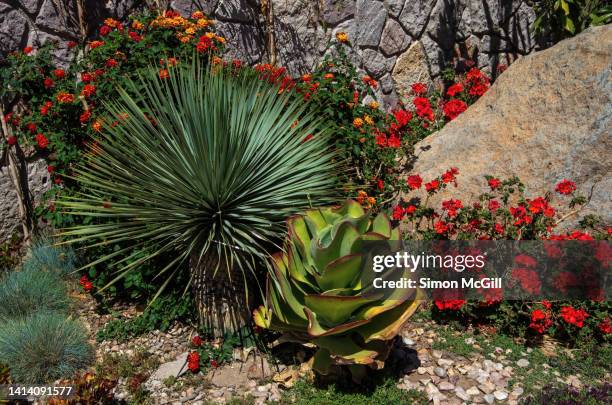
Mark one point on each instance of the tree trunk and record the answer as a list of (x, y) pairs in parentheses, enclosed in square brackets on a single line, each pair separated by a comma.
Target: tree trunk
[(224, 304)]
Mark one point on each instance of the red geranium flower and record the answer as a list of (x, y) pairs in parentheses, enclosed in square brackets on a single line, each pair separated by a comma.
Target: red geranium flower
[(196, 340), (529, 280), (27, 50), (42, 141), (494, 183), (566, 187), (493, 205), (193, 362), (48, 82), (449, 175), (452, 305), (453, 108), (50, 169), (88, 286), (454, 89), (419, 88), (31, 127), (432, 186), (105, 30), (163, 74), (71, 44), (605, 327), (540, 321), (59, 73), (414, 181), (214, 364), (12, 140), (573, 316), (402, 117)]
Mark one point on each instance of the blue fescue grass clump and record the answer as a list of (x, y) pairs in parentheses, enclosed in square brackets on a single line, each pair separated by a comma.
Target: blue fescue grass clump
[(43, 256), (44, 347), (23, 293)]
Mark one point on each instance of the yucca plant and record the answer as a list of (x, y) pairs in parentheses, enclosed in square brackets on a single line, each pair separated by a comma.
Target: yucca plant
[(205, 165), (44, 347), (320, 292), (23, 293)]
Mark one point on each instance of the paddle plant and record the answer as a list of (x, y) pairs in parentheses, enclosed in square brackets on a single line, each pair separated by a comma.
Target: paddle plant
[(320, 292)]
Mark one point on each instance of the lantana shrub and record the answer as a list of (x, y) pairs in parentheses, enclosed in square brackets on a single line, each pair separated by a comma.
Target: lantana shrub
[(57, 111)]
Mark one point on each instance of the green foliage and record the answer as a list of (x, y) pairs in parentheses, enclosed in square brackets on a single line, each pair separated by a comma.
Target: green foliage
[(159, 316), (383, 392), (43, 256), (317, 291), (567, 395), (565, 18), (23, 293), (44, 347), (217, 171)]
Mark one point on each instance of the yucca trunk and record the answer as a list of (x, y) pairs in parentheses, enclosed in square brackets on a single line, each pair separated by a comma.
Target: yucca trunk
[(223, 303)]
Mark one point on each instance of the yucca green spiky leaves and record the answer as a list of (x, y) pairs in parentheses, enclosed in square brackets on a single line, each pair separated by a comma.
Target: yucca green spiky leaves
[(317, 291), (207, 160)]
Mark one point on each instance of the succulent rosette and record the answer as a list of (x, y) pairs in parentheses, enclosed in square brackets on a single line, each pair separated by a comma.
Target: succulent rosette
[(320, 289)]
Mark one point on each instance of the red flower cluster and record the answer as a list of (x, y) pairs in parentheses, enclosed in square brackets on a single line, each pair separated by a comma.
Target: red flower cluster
[(451, 305), (573, 316), (453, 108), (193, 362), (451, 206), (528, 279), (86, 284), (419, 88), (541, 206), (540, 321), (423, 108), (196, 340), (566, 187), (414, 181), (41, 141), (478, 82), (454, 89), (605, 327)]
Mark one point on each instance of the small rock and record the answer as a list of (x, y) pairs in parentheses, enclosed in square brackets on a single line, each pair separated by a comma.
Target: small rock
[(461, 394), (421, 370), (473, 391), (500, 395), (445, 362), (523, 363), (440, 372), (489, 399), (487, 387), (470, 341), (446, 386), (437, 354), (408, 341)]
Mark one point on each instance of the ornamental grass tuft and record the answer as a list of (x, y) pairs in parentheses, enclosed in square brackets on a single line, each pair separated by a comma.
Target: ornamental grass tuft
[(26, 292), (43, 256), (44, 347)]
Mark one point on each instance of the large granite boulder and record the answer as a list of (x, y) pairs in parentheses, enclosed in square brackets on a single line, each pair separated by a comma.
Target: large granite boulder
[(548, 117)]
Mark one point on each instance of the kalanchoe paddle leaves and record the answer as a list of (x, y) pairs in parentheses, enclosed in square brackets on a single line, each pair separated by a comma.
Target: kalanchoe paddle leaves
[(204, 161), (318, 291)]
